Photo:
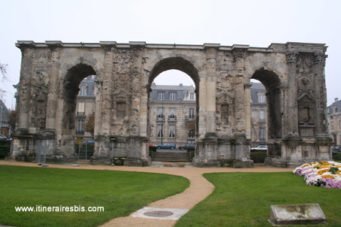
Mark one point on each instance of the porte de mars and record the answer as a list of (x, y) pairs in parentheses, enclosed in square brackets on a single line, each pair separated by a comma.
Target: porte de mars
[(292, 73)]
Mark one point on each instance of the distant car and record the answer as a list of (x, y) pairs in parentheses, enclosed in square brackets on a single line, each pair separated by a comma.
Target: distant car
[(4, 138), (259, 148), (187, 146), (90, 141), (171, 146)]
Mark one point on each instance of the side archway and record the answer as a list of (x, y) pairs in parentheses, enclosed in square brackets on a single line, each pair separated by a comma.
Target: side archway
[(70, 91), (272, 84)]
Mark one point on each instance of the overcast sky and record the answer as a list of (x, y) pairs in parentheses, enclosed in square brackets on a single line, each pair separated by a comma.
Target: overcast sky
[(253, 22)]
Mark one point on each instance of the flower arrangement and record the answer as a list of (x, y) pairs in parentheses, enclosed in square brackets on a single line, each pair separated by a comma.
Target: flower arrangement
[(324, 173)]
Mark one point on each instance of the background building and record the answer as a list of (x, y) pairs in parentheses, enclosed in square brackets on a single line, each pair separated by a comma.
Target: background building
[(173, 109), (4, 120), (259, 132), (334, 121), (85, 109), (172, 114)]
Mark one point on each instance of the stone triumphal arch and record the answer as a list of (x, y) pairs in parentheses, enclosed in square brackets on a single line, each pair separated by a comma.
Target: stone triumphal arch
[(292, 73)]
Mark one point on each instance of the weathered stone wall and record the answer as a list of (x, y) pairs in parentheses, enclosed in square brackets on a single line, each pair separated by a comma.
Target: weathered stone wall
[(293, 74)]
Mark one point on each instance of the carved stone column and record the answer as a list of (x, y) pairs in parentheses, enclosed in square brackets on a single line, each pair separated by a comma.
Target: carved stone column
[(321, 98), (290, 113), (23, 107), (211, 70), (52, 102), (247, 101), (106, 88)]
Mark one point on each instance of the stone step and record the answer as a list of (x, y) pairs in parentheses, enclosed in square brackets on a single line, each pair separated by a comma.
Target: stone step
[(170, 157), (171, 164)]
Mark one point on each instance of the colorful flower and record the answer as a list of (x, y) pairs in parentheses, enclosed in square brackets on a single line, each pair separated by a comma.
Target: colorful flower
[(324, 173)]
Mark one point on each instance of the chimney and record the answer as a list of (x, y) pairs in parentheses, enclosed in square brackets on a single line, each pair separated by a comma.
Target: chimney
[(336, 99)]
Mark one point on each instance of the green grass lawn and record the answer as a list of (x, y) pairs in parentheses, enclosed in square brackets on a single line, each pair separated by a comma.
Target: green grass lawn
[(244, 199), (120, 193)]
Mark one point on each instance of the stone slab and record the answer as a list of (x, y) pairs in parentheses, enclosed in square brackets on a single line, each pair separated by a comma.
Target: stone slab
[(310, 213)]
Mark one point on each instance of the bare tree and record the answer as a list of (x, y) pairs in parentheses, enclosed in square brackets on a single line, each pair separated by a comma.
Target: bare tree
[(3, 69), (90, 124), (3, 72), (12, 119)]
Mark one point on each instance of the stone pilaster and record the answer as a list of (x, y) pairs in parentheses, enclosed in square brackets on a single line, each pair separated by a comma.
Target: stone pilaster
[(106, 95), (290, 112), (52, 100), (247, 101), (210, 94), (23, 107), (321, 98)]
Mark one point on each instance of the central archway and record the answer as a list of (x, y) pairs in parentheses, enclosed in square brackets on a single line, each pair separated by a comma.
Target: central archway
[(179, 115)]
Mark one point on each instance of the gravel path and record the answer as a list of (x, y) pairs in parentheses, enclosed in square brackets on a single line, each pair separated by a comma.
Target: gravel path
[(198, 190)]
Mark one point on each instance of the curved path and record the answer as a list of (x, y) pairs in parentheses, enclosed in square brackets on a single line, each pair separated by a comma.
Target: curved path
[(197, 191)]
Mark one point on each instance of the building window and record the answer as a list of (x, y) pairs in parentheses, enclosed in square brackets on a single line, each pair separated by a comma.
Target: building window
[(191, 96), (171, 131), (83, 89), (191, 113), (80, 125), (172, 112), (261, 98), (161, 96), (261, 114), (172, 96), (160, 113), (339, 124), (160, 130), (262, 134), (191, 133)]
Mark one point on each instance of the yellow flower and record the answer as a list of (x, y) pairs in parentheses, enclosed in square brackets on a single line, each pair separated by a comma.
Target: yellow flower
[(327, 177), (320, 172)]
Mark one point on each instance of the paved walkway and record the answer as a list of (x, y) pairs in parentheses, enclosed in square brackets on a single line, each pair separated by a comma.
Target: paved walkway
[(198, 190)]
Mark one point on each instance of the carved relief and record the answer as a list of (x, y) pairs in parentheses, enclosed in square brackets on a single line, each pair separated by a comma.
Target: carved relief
[(224, 62), (39, 91), (224, 103), (238, 59), (291, 57), (126, 91), (306, 116), (304, 63), (319, 58), (305, 86)]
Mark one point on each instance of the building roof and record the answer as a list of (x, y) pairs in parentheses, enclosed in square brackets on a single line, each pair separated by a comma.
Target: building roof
[(172, 93), (172, 87), (335, 107), (3, 106)]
